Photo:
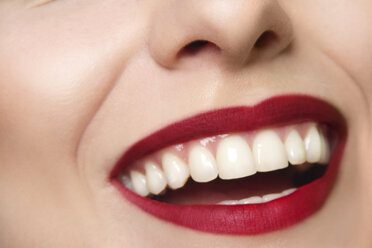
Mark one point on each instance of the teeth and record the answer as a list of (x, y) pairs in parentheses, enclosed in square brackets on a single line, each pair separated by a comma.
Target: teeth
[(156, 181), (230, 202), (251, 200), (175, 170), (313, 145), (288, 191), (270, 197), (202, 164), (258, 199), (234, 158), (325, 153), (139, 183), (269, 151), (125, 180), (295, 148)]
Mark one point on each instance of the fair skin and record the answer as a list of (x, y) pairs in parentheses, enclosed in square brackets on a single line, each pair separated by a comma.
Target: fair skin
[(81, 81)]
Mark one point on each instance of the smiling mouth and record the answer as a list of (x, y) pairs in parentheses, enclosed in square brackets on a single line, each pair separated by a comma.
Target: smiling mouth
[(243, 170)]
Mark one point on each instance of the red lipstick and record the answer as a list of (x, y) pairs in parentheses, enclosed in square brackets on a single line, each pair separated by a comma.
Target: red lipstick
[(250, 218)]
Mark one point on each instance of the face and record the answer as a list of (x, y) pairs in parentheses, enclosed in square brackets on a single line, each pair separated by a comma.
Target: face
[(83, 81)]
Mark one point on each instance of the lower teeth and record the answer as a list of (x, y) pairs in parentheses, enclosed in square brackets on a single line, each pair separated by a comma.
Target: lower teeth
[(258, 199)]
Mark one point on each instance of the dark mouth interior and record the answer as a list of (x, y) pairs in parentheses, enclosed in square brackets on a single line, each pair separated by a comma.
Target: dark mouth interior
[(256, 185)]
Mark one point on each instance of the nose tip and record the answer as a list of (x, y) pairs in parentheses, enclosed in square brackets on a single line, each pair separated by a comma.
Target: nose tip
[(236, 32)]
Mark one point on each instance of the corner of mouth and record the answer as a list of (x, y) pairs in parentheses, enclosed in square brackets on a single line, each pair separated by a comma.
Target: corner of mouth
[(278, 116)]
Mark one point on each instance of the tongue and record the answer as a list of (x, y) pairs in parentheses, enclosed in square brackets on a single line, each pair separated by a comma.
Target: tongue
[(257, 185)]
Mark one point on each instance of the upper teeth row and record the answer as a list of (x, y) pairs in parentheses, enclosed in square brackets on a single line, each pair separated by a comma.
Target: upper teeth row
[(234, 159)]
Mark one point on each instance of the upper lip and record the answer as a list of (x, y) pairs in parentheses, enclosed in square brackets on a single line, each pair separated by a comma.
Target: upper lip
[(242, 219)]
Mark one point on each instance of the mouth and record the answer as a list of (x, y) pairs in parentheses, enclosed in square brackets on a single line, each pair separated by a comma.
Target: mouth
[(241, 170)]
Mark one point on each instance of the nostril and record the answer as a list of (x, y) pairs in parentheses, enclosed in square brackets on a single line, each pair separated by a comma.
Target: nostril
[(196, 47), (265, 40)]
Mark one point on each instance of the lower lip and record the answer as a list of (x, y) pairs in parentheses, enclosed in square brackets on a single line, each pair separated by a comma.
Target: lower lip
[(251, 218)]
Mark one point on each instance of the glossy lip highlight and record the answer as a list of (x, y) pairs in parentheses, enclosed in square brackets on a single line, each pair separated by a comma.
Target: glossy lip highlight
[(242, 219)]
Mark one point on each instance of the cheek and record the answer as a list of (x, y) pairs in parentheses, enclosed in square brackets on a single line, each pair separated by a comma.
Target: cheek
[(55, 74), (346, 38), (342, 31), (43, 102), (53, 79)]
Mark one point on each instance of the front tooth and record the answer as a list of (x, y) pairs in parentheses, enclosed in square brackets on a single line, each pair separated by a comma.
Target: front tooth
[(139, 183), (295, 148), (325, 153), (251, 200), (202, 164), (269, 151), (313, 145), (234, 158), (175, 170), (270, 197), (156, 181)]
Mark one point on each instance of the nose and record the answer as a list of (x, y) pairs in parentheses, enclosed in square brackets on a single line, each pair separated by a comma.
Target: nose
[(236, 32)]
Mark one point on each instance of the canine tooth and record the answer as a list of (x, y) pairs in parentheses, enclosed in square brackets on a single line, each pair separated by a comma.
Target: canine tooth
[(313, 145), (325, 152), (234, 158), (175, 170), (270, 197), (125, 180), (295, 148), (251, 200), (202, 164), (139, 183), (269, 151), (288, 191), (156, 181)]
